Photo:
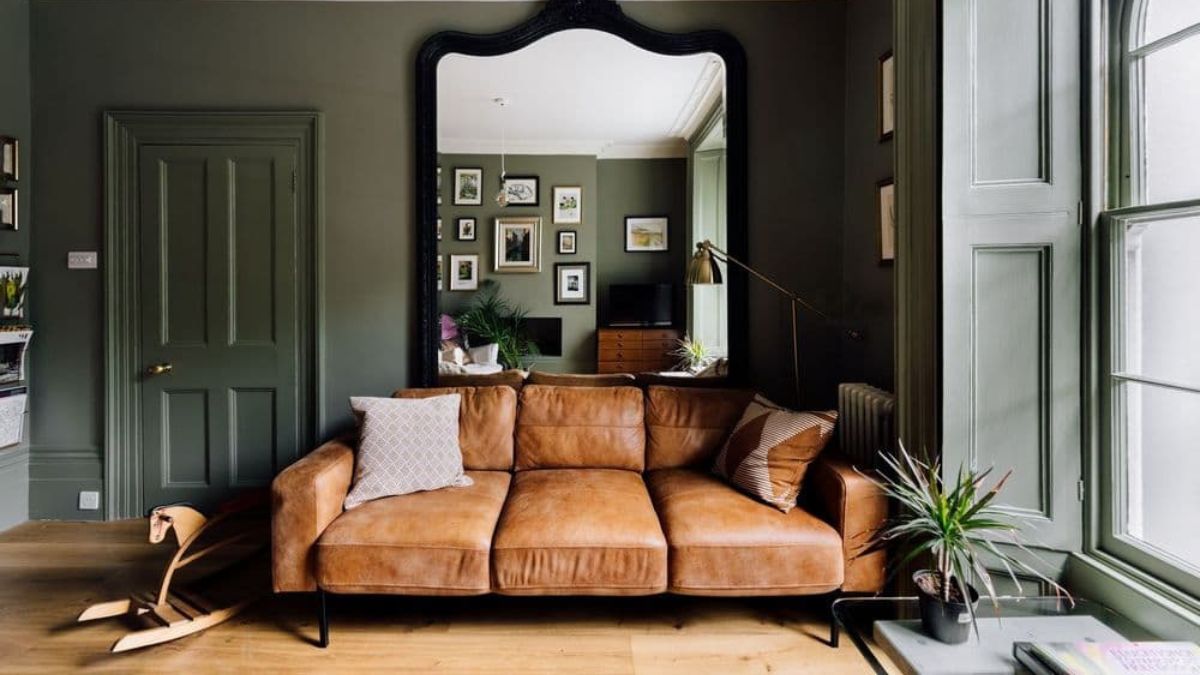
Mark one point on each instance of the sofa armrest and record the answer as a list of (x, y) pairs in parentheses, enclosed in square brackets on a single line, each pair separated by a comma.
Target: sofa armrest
[(305, 498), (857, 508)]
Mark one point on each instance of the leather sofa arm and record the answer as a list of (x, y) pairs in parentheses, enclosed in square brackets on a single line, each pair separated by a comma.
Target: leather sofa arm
[(305, 498), (857, 508)]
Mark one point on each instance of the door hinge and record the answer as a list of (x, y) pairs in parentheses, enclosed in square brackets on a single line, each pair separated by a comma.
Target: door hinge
[(1080, 490), (293, 181)]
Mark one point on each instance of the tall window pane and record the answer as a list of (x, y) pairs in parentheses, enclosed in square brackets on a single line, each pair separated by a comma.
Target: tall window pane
[(1161, 303), (1162, 461), (1171, 99)]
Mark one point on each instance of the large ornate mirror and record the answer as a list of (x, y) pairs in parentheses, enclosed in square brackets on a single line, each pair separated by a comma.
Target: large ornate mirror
[(567, 168)]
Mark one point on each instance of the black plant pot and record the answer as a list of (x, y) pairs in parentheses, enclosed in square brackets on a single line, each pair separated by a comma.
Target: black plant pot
[(948, 622)]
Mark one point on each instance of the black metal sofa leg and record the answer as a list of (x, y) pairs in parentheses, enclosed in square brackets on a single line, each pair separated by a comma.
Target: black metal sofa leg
[(322, 619)]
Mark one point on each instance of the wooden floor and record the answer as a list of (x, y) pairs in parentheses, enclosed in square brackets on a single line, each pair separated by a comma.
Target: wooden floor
[(50, 571)]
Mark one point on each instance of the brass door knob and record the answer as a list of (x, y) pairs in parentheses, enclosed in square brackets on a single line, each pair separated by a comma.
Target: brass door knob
[(159, 369)]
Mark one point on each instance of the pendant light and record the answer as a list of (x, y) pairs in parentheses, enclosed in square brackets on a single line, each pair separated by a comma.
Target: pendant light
[(502, 196)]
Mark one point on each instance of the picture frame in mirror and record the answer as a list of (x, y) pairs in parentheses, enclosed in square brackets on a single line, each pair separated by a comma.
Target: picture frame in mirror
[(9, 158), (464, 272), (568, 204), (647, 233), (573, 283), (522, 190), (568, 243), (518, 244), (465, 229), (8, 209), (468, 186)]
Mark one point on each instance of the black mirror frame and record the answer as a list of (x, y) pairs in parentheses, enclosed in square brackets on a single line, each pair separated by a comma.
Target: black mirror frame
[(560, 15)]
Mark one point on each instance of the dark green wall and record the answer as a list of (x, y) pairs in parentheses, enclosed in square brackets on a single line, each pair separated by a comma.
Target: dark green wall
[(869, 302), (354, 62), (14, 246), (534, 292), (642, 187)]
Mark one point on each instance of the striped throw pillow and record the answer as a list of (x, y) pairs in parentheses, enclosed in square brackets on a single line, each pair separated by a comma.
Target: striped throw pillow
[(770, 449)]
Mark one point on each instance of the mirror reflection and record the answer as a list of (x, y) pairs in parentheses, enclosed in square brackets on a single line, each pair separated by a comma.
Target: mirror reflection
[(575, 177)]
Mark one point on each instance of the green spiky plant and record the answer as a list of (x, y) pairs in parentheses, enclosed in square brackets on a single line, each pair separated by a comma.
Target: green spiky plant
[(958, 525), (493, 319), (691, 353)]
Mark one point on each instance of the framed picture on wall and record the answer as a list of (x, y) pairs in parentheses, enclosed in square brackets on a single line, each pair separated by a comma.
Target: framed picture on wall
[(468, 186), (440, 273), (886, 96), (567, 242), (886, 197), (464, 272), (439, 229), (568, 204), (521, 190), (518, 244), (646, 233), (439, 186), (466, 229), (572, 283), (8, 208), (8, 158)]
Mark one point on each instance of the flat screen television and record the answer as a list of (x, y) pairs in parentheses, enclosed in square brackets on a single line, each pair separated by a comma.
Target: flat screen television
[(640, 305)]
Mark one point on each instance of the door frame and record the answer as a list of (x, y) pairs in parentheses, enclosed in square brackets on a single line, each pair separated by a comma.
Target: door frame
[(125, 132)]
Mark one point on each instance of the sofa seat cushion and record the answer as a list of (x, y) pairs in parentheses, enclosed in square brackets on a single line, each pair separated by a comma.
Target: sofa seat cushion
[(723, 542), (425, 543), (579, 532)]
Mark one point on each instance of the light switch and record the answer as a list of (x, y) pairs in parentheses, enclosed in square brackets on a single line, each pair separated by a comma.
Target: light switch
[(82, 260)]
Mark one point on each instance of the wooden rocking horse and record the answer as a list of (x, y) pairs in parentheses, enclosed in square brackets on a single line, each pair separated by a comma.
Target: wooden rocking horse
[(177, 612)]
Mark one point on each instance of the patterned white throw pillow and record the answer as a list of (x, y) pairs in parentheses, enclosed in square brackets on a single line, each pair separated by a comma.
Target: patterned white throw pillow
[(406, 445)]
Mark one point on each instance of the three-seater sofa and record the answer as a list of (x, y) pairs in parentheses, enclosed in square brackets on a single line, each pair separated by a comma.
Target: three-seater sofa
[(577, 491)]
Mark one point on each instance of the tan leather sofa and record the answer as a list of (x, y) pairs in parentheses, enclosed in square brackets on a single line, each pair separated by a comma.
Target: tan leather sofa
[(577, 491)]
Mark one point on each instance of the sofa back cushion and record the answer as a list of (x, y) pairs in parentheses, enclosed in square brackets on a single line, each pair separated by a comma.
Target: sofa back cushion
[(685, 426), (485, 424), (580, 427)]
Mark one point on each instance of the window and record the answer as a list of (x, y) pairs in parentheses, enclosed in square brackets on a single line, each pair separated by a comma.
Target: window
[(1150, 493)]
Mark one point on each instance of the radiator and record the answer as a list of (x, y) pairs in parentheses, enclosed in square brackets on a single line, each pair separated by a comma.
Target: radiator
[(866, 423)]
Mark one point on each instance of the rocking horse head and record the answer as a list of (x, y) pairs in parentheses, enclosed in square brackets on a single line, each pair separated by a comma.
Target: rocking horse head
[(180, 518)]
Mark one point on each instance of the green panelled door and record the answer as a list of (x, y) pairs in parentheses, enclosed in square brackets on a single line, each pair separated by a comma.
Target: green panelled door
[(219, 338)]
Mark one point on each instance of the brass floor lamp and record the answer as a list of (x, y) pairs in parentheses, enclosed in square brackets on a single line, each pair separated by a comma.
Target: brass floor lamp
[(703, 269)]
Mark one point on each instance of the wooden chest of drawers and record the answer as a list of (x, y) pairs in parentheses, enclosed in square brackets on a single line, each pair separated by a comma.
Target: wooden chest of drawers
[(636, 350)]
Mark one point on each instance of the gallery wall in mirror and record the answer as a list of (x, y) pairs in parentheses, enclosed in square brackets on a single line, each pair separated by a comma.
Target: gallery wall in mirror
[(567, 169)]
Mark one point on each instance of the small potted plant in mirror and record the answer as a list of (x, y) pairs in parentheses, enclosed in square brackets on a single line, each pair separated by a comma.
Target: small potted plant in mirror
[(961, 528), (692, 354)]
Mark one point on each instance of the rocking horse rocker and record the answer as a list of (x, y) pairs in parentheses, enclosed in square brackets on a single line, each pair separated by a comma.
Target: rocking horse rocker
[(175, 612)]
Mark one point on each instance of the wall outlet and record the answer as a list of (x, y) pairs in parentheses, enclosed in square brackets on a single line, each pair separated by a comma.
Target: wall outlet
[(83, 260), (89, 500)]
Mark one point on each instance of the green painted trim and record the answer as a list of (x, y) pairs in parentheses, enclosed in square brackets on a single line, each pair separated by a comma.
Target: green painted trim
[(918, 223), (124, 132), (57, 475), (1157, 608)]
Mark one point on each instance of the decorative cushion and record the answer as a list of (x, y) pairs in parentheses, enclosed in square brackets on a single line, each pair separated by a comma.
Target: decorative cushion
[(770, 449), (406, 446)]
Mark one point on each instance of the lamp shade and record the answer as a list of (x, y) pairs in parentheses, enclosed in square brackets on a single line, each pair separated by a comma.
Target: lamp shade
[(703, 268)]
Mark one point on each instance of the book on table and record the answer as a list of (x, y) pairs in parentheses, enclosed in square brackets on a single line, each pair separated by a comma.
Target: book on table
[(1109, 658)]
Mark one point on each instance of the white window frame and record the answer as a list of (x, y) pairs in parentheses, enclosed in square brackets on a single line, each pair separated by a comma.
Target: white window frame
[(1130, 211)]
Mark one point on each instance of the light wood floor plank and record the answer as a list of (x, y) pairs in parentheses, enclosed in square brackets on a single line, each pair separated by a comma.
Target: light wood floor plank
[(50, 571)]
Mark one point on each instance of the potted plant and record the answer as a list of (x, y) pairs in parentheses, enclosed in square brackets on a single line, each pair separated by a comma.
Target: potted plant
[(692, 354), (959, 527), (494, 320)]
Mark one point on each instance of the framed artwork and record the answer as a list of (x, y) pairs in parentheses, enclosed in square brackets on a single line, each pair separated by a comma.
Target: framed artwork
[(439, 186), (887, 96), (566, 242), (12, 292), (572, 283), (568, 204), (466, 229), (646, 233), (439, 229), (518, 244), (8, 158), (521, 190), (468, 186), (440, 273), (887, 220), (464, 272), (8, 208)]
